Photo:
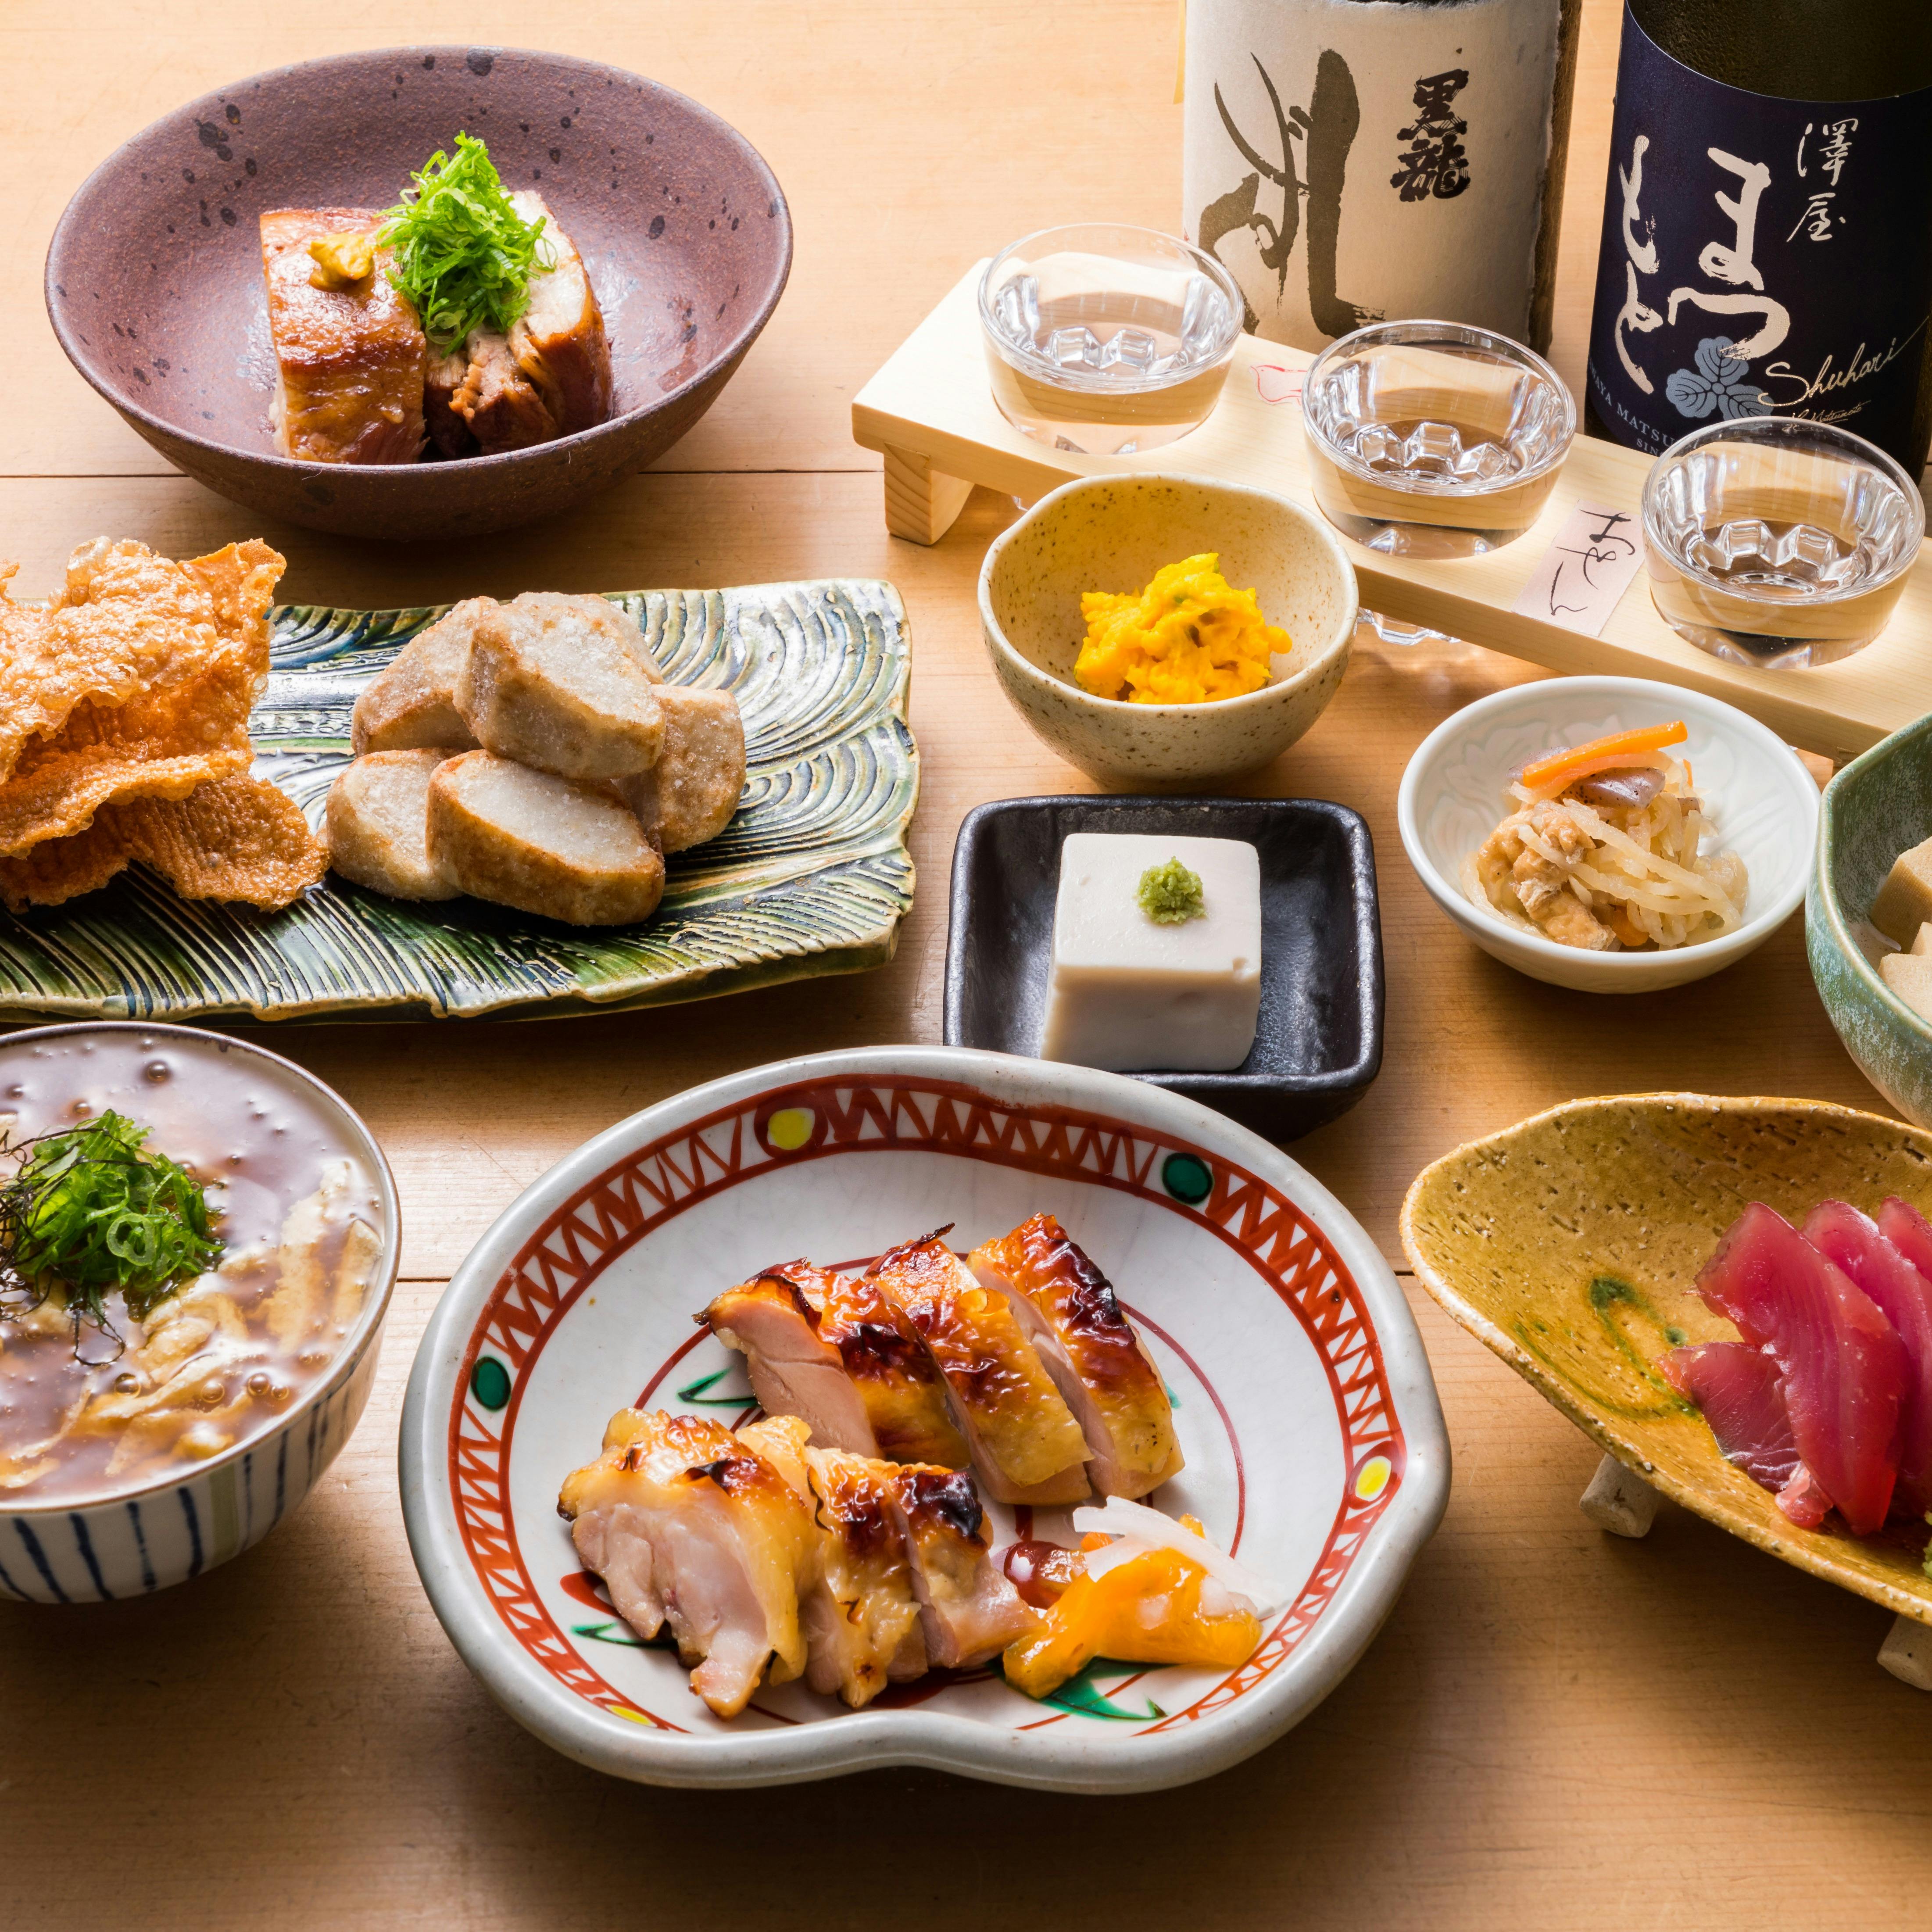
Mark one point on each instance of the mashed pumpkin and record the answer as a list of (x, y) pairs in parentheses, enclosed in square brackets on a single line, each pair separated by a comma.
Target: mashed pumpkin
[(1188, 638)]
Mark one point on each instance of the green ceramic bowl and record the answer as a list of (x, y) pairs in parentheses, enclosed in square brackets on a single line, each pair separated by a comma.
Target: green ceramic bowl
[(1876, 807)]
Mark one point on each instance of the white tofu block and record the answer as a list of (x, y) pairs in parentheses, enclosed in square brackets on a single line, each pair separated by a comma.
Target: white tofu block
[(1132, 995)]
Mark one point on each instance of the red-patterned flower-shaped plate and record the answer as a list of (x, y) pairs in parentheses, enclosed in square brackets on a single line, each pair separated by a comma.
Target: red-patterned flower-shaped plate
[(1314, 1440)]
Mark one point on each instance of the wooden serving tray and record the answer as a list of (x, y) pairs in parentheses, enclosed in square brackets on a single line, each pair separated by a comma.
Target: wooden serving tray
[(930, 413)]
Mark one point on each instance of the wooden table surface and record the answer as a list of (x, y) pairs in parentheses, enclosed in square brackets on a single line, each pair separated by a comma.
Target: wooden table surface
[(1554, 1728)]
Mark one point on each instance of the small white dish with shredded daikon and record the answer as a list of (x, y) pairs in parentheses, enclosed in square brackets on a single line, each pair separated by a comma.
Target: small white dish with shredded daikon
[(1656, 866)]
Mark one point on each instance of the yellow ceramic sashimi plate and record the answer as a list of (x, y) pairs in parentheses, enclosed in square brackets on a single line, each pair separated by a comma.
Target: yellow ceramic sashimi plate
[(1570, 1243)]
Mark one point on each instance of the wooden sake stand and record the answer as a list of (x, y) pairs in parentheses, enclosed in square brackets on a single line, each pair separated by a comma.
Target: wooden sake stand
[(930, 414)]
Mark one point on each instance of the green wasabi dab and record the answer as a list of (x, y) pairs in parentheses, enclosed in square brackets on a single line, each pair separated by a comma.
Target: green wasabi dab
[(1170, 895)]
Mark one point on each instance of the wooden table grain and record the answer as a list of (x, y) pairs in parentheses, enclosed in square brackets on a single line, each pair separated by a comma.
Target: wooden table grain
[(1554, 1730)]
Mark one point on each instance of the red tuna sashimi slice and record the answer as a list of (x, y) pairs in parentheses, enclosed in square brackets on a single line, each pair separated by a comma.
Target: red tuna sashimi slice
[(1737, 1387), (1843, 1365), (1886, 1272)]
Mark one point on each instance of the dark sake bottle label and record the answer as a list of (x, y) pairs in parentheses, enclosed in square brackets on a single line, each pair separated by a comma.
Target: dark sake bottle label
[(1760, 257)]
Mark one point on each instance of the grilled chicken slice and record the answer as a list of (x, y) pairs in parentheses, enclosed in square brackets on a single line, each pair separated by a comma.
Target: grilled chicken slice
[(900, 1385), (862, 1622), (690, 1526), (349, 362), (1069, 1312), (793, 1369), (550, 377), (1026, 1446), (968, 1611)]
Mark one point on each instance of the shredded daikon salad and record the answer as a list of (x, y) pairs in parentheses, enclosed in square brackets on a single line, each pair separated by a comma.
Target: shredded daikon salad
[(1602, 850)]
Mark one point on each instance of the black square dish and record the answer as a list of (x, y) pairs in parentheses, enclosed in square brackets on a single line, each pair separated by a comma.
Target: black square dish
[(1319, 1041)]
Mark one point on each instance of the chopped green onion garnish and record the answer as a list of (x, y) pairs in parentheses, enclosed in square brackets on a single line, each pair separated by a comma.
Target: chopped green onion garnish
[(464, 256)]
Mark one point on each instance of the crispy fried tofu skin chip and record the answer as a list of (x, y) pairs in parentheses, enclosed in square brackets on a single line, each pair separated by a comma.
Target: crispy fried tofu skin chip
[(123, 731), (234, 838), (137, 682)]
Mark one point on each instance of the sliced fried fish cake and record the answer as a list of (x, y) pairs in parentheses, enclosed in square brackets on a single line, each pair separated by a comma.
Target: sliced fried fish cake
[(545, 845), (411, 706), (553, 683), (689, 795), (377, 822)]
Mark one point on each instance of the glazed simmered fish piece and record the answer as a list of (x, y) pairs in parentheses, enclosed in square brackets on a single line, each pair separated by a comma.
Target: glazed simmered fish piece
[(376, 823), (901, 1387), (689, 1525), (500, 831), (793, 1369), (1097, 1361), (689, 795), (557, 686), (1842, 1365), (349, 360), (1026, 1446), (968, 1611), (862, 1621), (411, 704)]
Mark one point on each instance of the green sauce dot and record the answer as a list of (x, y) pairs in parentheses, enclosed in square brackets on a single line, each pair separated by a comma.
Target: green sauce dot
[(490, 1382), (1186, 1178)]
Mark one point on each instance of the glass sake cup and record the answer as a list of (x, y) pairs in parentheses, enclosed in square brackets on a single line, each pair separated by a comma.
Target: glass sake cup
[(1434, 439), (1776, 542), (1105, 339)]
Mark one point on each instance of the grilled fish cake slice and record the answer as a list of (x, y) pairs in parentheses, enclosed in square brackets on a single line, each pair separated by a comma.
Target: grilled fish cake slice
[(690, 794), (552, 682), (411, 705), (545, 845), (377, 823)]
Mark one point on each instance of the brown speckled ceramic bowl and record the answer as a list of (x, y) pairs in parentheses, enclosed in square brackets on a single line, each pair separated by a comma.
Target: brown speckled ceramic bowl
[(1113, 533), (154, 280)]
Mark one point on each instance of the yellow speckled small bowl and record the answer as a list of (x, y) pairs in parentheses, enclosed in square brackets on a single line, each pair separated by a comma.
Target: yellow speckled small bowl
[(1113, 533), (1570, 1243)]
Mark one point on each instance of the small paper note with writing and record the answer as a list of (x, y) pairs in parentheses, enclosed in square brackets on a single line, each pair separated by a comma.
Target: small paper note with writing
[(1587, 568)]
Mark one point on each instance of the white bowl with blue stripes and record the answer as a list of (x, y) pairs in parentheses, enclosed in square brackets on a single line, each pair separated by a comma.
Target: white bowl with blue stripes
[(140, 1540)]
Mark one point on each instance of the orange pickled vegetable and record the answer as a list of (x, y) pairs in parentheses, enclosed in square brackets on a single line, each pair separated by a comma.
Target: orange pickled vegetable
[(1147, 1611), (1559, 764)]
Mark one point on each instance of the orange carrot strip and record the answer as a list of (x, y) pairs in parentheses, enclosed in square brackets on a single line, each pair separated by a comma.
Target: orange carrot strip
[(1646, 738)]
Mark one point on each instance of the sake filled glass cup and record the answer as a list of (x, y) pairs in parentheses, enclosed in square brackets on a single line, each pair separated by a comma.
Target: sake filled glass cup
[(1433, 439), (1776, 542), (1106, 339)]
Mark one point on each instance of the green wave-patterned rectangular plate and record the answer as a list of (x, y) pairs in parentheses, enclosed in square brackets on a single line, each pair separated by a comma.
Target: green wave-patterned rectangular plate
[(813, 875)]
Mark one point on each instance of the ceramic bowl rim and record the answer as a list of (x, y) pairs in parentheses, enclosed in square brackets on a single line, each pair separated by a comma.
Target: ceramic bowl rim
[(1110, 709), (1757, 927), (938, 1741), (78, 353), (1833, 907), (375, 1307)]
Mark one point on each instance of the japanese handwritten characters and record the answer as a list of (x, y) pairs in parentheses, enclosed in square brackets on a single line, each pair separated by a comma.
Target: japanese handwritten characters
[(1348, 163)]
